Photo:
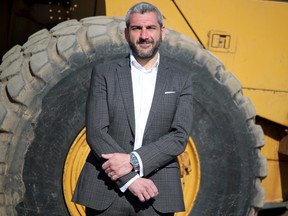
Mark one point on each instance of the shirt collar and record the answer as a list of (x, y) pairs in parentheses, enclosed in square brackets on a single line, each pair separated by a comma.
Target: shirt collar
[(134, 63)]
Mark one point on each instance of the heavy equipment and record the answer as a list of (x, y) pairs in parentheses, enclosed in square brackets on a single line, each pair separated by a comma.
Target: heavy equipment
[(44, 84)]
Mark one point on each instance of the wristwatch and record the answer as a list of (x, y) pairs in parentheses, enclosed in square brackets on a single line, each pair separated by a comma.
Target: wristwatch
[(134, 162)]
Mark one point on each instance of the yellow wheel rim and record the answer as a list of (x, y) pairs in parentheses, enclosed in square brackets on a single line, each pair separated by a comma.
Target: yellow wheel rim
[(189, 168)]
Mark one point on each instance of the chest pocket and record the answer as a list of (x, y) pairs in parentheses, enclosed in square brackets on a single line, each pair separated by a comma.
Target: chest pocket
[(168, 103), (170, 98)]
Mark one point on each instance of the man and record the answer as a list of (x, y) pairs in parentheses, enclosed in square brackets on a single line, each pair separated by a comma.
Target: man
[(139, 117)]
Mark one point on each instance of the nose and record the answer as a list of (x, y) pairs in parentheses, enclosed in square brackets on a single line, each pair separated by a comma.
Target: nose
[(144, 33)]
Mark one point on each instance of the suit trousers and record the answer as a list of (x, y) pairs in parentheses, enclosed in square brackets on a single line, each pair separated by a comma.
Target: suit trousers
[(127, 205)]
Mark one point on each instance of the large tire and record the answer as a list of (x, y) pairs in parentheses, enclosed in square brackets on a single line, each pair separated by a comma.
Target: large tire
[(44, 86)]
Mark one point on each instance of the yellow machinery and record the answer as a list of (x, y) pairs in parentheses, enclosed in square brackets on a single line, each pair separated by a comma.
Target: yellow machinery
[(250, 38), (43, 86)]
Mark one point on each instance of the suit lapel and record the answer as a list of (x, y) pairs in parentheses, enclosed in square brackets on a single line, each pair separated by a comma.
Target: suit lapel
[(125, 83), (161, 81)]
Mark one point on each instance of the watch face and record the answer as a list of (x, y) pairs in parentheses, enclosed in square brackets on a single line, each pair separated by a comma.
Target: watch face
[(134, 160)]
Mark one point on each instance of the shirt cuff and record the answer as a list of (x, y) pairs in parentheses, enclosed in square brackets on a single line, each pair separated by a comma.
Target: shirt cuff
[(141, 169), (124, 187)]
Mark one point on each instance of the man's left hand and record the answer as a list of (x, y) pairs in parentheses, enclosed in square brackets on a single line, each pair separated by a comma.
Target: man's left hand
[(117, 165)]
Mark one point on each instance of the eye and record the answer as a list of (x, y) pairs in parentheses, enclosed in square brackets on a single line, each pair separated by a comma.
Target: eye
[(133, 28), (152, 27)]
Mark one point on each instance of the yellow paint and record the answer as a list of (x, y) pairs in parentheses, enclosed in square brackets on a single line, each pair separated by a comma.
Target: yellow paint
[(191, 179), (270, 105), (73, 165), (261, 52)]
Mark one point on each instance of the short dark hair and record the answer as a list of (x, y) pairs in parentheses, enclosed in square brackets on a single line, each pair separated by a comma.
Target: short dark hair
[(142, 8)]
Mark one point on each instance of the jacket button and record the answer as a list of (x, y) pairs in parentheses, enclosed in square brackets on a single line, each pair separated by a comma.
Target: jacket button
[(131, 142)]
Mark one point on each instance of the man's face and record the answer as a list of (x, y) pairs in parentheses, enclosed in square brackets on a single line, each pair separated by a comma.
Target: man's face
[(144, 35)]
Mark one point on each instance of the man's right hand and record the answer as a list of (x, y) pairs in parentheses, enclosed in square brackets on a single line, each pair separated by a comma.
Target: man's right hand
[(144, 189)]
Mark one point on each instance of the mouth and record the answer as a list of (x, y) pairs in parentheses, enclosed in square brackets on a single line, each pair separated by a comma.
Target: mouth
[(144, 44)]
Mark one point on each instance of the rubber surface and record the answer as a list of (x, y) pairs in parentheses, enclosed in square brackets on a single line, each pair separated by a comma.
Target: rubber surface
[(43, 88)]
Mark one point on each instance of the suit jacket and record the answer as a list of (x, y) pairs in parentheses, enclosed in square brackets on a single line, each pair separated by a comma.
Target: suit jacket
[(110, 126)]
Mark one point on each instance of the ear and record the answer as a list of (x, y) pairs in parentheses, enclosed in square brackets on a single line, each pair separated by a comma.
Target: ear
[(163, 32), (126, 31)]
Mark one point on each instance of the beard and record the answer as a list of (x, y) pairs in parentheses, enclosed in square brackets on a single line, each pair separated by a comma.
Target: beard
[(145, 54)]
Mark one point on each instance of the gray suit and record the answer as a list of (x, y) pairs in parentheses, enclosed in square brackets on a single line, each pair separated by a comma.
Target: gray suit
[(111, 126)]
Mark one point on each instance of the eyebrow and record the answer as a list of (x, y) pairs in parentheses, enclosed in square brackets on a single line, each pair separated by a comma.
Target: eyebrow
[(141, 26)]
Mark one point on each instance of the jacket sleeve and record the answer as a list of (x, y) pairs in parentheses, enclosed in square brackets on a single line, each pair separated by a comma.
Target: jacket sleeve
[(97, 122)]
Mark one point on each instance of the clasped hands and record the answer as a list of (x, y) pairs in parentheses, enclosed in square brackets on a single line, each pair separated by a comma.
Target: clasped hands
[(118, 165)]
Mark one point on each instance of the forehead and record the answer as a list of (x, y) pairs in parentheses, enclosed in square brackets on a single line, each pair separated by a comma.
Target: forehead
[(144, 19)]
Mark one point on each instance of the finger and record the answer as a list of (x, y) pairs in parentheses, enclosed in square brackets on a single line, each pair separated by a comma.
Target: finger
[(107, 156), (155, 192), (114, 177), (154, 189), (110, 174), (106, 165), (146, 196), (152, 193), (108, 170), (141, 198)]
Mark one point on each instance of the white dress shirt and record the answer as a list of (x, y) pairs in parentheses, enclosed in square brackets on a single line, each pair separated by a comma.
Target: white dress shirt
[(143, 82)]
